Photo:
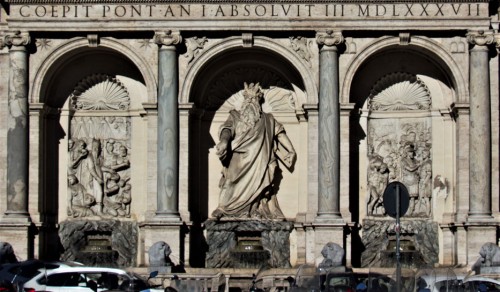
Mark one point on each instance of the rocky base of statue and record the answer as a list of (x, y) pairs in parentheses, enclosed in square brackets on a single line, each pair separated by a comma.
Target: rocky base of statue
[(248, 243), (110, 243), (418, 243)]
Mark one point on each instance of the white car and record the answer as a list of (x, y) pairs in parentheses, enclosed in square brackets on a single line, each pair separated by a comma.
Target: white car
[(482, 283), (87, 279)]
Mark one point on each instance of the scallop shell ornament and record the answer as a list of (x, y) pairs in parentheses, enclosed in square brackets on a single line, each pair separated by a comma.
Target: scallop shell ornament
[(100, 92), (398, 92)]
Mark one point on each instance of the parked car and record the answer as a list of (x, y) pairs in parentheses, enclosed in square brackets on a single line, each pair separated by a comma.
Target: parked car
[(482, 283), (16, 274), (87, 279)]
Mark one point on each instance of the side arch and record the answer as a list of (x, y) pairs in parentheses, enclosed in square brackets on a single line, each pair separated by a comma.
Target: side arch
[(423, 45), (48, 69)]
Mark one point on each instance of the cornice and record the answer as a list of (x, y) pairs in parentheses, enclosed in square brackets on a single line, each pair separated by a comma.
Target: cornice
[(61, 2)]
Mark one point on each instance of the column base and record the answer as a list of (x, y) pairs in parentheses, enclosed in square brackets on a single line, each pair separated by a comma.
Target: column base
[(165, 216), (482, 217), (16, 217), (335, 218)]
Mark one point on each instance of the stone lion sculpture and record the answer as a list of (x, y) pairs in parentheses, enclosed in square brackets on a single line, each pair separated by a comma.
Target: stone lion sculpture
[(490, 255), (159, 254), (333, 255), (7, 253)]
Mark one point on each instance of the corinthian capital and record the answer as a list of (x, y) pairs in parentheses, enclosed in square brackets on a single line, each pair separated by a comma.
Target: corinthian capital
[(330, 38), (167, 38), (481, 38), (15, 38)]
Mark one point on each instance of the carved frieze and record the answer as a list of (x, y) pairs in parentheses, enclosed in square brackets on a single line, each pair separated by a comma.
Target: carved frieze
[(301, 46), (99, 149), (399, 145), (194, 46)]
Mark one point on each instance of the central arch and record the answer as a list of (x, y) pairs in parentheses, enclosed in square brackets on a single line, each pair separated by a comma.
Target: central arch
[(220, 77)]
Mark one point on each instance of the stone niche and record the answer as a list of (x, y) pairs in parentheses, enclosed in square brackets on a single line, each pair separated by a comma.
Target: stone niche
[(248, 244), (418, 243), (110, 243)]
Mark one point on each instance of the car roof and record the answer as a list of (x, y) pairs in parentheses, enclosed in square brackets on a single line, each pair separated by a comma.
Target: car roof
[(84, 269), (486, 277)]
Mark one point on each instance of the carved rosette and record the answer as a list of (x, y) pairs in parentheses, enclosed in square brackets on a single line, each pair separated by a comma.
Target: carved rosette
[(15, 39), (399, 91), (167, 38), (100, 92), (330, 38)]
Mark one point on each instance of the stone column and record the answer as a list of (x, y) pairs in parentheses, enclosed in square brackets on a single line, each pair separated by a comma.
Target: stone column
[(329, 127), (17, 134), (168, 127), (480, 127)]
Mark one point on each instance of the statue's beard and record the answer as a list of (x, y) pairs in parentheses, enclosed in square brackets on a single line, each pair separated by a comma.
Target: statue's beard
[(250, 114)]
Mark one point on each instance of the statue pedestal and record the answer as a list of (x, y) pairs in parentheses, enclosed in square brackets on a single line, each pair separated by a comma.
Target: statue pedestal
[(248, 243)]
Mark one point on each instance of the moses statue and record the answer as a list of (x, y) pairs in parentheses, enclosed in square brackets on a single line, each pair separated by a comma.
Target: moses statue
[(251, 142)]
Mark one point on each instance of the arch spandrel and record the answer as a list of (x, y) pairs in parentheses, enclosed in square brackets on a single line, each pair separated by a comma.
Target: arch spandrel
[(261, 45), (46, 75)]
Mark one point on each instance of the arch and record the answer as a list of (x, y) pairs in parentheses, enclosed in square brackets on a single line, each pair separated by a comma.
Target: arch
[(418, 44), (46, 72), (260, 43)]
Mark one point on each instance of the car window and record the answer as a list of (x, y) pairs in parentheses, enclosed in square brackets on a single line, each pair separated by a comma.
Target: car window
[(482, 286), (64, 279)]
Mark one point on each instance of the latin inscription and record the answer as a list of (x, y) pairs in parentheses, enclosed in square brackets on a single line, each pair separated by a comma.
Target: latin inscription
[(250, 11)]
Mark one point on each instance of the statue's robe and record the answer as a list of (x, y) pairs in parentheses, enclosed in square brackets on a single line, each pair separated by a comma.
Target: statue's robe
[(246, 184)]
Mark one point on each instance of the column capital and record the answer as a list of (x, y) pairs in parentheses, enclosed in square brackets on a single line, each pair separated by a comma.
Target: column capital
[(14, 38), (167, 38), (329, 38), (482, 38)]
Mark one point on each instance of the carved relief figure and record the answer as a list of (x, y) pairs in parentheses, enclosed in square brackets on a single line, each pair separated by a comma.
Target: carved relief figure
[(425, 184), (409, 175), (377, 182), (103, 171), (79, 202), (248, 149)]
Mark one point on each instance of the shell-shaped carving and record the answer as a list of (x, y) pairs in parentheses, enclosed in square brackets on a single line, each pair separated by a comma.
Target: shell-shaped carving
[(399, 91), (100, 92)]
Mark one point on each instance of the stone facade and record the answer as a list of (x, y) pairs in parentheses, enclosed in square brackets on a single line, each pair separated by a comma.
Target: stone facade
[(110, 112)]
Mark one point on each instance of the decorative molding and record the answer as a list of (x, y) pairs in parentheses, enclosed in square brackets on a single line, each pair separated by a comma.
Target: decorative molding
[(399, 91), (43, 44), (16, 38), (301, 46), (100, 92), (330, 38), (247, 39), (18, 2), (481, 38), (194, 45), (167, 38)]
